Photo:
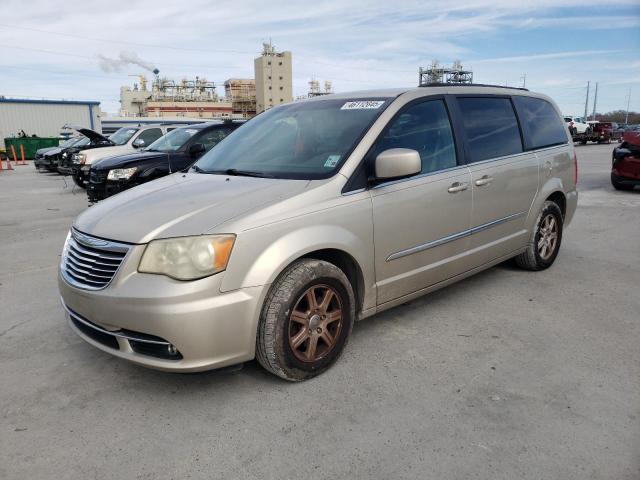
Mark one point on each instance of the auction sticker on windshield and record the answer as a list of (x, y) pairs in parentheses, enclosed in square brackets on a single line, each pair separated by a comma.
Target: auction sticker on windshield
[(362, 105), (332, 161)]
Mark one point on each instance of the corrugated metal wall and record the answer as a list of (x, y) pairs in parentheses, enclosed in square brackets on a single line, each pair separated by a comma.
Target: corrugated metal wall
[(45, 119)]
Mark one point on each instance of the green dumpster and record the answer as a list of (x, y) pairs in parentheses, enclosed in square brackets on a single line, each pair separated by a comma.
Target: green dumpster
[(30, 145)]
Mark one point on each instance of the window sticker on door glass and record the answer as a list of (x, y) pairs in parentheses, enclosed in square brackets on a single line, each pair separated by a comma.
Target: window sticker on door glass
[(362, 105), (332, 161)]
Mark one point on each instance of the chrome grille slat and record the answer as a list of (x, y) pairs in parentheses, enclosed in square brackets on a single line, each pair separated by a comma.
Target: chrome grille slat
[(103, 256), (91, 263), (87, 272)]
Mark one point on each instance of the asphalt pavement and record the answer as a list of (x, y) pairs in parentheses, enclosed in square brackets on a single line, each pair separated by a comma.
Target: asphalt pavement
[(506, 375)]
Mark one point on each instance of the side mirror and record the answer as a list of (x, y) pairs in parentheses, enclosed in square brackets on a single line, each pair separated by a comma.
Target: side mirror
[(138, 142), (397, 162), (196, 149)]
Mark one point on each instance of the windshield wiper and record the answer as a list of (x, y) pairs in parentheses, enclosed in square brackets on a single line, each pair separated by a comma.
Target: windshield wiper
[(197, 169), (244, 173)]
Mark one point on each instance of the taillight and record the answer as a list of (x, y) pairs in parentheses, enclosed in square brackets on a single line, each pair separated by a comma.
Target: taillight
[(575, 168)]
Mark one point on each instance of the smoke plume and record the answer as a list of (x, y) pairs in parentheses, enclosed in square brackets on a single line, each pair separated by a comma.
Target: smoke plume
[(111, 65)]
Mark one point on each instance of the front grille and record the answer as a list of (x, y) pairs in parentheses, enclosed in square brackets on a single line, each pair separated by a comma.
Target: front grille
[(97, 176), (90, 262)]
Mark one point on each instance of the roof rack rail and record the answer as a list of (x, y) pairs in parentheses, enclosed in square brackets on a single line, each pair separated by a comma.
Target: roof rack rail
[(472, 85)]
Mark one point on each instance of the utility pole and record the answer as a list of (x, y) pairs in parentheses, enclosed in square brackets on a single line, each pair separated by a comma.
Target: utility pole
[(586, 102), (595, 99), (626, 117), (524, 80)]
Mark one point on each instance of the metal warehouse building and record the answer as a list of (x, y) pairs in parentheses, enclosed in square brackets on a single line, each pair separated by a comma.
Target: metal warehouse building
[(45, 118)]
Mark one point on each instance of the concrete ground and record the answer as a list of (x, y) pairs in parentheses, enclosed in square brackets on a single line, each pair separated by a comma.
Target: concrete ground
[(506, 375)]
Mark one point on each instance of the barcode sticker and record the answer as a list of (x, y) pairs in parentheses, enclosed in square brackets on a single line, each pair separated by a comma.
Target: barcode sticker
[(362, 105)]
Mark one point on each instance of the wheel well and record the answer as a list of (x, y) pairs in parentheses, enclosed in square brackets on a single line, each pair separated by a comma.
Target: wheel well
[(559, 199), (348, 265)]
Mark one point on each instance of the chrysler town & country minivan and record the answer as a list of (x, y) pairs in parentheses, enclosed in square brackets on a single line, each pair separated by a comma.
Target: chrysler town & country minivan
[(313, 215)]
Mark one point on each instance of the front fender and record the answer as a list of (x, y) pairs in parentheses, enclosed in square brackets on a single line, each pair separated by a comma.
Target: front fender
[(260, 255)]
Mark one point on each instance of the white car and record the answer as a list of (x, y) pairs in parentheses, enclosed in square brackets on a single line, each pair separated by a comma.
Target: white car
[(577, 125), (126, 140)]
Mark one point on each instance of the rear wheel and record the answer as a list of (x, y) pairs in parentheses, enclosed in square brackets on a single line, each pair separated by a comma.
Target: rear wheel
[(306, 320), (545, 240)]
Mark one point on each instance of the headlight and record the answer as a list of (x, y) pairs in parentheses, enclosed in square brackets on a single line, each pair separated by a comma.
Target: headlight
[(65, 251), (64, 155), (187, 258), (121, 173), (80, 158)]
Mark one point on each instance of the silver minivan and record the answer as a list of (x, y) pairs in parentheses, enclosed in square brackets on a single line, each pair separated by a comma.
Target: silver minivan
[(316, 214)]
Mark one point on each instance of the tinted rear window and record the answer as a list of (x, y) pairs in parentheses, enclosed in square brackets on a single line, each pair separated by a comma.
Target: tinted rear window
[(490, 126), (542, 126)]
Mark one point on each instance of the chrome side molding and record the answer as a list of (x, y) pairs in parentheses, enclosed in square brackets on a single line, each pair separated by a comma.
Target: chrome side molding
[(456, 236)]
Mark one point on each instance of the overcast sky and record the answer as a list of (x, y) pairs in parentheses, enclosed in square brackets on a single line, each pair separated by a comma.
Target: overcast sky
[(51, 49)]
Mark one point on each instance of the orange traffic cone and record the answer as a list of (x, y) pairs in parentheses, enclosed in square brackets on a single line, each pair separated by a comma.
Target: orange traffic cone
[(9, 167)]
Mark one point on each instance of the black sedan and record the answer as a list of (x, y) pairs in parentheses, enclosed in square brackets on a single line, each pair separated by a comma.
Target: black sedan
[(175, 151)]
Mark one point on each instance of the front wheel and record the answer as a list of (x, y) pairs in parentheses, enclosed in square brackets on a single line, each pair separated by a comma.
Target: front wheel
[(306, 320), (545, 240), (77, 179)]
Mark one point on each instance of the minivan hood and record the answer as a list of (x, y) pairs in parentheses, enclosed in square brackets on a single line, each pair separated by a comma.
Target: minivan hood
[(181, 204)]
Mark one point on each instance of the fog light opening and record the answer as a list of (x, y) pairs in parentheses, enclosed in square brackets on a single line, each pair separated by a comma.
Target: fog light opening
[(171, 348)]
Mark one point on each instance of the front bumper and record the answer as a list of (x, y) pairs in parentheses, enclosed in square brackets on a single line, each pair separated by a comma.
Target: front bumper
[(625, 180), (99, 188), (209, 329)]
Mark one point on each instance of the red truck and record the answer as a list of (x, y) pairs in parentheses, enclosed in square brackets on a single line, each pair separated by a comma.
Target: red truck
[(625, 169), (604, 132)]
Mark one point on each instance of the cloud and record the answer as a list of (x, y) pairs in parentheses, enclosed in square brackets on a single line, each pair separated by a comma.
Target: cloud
[(358, 44)]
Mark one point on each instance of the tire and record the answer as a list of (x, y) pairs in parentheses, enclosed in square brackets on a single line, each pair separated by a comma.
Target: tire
[(289, 318), (534, 258), (78, 181), (620, 186)]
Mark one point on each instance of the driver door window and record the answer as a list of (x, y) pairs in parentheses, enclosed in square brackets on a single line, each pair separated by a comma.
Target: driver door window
[(423, 127)]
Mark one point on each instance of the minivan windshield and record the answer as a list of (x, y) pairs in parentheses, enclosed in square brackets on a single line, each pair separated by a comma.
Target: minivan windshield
[(172, 141), (122, 135), (306, 140)]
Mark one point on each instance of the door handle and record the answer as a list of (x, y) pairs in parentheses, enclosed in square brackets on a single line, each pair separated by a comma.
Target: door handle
[(458, 187), (484, 180)]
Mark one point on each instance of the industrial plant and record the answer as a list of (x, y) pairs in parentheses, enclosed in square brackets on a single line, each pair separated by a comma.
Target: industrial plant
[(198, 98)]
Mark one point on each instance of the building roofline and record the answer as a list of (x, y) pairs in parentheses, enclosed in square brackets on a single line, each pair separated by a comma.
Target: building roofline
[(51, 102)]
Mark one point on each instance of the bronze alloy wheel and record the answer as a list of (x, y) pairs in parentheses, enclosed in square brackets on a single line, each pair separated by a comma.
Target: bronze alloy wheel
[(315, 323), (548, 237)]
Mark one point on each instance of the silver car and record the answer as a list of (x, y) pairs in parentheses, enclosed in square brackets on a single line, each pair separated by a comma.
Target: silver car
[(316, 214)]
